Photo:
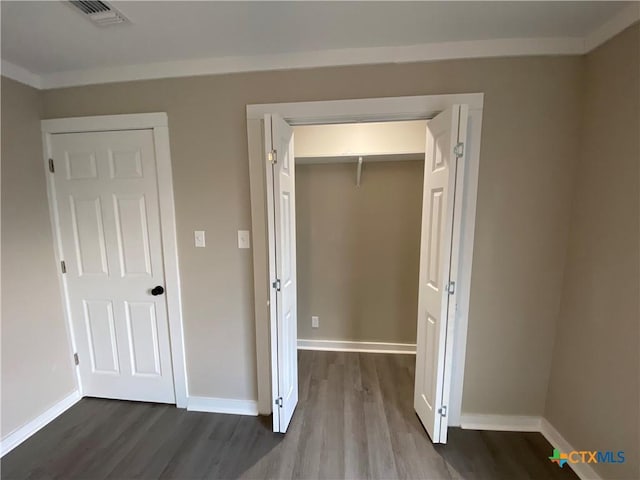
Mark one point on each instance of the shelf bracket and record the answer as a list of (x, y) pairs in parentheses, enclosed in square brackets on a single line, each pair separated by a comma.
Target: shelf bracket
[(359, 172)]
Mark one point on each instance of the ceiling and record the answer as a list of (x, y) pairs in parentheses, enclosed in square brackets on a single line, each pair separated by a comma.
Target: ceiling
[(48, 39)]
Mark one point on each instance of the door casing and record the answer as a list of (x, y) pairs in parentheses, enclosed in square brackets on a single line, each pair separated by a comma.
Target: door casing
[(158, 123), (366, 110)]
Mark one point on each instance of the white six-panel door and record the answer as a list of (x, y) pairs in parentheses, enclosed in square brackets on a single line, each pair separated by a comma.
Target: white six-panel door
[(106, 196), (435, 304), (282, 232)]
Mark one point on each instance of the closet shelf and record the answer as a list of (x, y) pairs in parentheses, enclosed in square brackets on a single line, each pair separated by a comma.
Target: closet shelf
[(353, 158), (359, 160)]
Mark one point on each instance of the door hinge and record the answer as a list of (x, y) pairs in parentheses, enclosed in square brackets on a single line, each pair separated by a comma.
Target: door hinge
[(458, 150), (63, 266), (76, 359), (52, 168), (276, 284), (451, 287), (272, 156), (279, 402), (443, 411)]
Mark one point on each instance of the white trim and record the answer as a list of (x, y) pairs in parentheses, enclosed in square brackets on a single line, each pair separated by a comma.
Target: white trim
[(321, 58), (348, 346), (612, 27), (500, 423), (271, 269), (222, 405), (169, 235), (15, 438), (159, 124), (257, 187), (20, 74), (59, 255), (582, 470), (380, 109), (375, 109), (105, 123), (528, 423), (426, 52), (469, 174)]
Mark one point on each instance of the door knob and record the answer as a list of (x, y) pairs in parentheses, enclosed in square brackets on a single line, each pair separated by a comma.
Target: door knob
[(157, 290)]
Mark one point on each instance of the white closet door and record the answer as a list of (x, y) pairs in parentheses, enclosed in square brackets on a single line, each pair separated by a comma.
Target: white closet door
[(431, 395), (282, 252), (107, 202)]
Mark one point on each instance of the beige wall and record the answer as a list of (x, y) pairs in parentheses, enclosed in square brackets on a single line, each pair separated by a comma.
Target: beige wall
[(36, 359), (594, 390), (530, 129), (359, 250), (373, 138)]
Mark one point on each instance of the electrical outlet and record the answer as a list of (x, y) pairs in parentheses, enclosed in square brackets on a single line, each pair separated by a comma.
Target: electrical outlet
[(315, 322)]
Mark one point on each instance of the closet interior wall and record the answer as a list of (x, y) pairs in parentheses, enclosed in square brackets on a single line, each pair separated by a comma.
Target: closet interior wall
[(358, 247)]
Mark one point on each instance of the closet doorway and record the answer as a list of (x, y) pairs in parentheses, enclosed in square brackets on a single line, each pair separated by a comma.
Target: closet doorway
[(446, 239), (358, 221)]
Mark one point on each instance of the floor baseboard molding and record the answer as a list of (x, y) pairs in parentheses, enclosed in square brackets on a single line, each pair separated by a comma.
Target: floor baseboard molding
[(349, 346), (582, 470), (222, 405), (502, 423), (528, 423), (22, 433)]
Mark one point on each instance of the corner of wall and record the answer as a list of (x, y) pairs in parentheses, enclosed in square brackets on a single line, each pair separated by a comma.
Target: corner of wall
[(46, 371), (578, 147), (599, 247)]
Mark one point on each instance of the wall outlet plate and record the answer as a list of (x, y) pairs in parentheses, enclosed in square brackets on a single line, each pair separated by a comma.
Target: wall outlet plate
[(199, 238), (244, 239), (315, 322)]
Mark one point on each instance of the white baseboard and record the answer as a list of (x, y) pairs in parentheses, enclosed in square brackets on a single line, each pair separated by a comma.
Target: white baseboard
[(19, 435), (503, 423), (582, 470), (222, 405), (346, 346), (526, 423)]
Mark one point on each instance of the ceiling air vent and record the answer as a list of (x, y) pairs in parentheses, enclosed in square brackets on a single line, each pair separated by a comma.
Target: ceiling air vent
[(100, 13)]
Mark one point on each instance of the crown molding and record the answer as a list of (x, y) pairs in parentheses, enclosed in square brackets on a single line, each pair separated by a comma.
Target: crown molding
[(323, 58), (507, 47), (609, 29), (19, 74)]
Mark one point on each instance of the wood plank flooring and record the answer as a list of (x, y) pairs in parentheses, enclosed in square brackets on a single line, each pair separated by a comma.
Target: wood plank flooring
[(355, 420)]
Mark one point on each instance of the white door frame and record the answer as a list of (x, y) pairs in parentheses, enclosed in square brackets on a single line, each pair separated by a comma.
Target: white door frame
[(366, 110), (158, 123)]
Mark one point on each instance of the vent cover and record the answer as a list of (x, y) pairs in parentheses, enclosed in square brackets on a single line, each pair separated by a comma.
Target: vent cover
[(100, 13)]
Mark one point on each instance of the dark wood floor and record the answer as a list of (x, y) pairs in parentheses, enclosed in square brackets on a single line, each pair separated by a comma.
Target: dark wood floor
[(355, 420)]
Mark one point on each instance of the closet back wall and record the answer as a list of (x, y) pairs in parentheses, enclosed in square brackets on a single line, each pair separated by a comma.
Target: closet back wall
[(358, 250)]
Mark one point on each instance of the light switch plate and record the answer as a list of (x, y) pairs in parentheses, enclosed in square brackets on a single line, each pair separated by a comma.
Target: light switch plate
[(199, 238), (315, 322), (244, 240)]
